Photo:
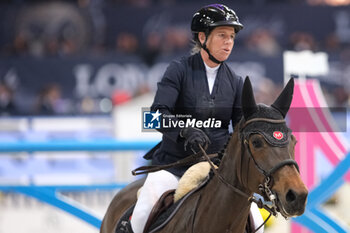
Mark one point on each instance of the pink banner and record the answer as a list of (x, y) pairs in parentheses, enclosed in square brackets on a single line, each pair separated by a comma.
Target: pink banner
[(314, 128)]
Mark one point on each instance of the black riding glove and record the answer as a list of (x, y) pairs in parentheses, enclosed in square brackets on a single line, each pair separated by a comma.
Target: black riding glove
[(194, 137)]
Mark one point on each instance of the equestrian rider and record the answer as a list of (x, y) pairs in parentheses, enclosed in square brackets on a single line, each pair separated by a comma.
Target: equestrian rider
[(202, 86)]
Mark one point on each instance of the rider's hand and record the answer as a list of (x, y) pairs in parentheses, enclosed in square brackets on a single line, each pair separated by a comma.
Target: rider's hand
[(194, 137)]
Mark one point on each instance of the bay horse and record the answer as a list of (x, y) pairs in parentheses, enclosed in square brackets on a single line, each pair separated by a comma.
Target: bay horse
[(259, 158)]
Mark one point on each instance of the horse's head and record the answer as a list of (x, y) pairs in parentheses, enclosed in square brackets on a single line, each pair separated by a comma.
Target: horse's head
[(269, 144)]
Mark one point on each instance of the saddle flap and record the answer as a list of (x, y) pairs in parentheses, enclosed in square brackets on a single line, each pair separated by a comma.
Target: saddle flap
[(166, 200)]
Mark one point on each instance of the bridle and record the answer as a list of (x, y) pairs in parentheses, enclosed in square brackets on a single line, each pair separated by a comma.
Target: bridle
[(266, 187), (267, 184)]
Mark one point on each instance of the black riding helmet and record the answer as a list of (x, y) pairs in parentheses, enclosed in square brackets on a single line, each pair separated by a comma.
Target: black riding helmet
[(211, 16)]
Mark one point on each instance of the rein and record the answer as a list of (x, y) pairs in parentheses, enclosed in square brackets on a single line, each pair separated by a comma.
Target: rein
[(250, 198), (192, 159)]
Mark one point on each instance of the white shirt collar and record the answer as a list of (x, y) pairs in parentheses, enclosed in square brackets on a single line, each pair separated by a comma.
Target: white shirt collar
[(210, 69)]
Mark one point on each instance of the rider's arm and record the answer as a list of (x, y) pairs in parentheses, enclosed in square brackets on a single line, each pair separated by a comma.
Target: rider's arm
[(237, 105), (167, 94)]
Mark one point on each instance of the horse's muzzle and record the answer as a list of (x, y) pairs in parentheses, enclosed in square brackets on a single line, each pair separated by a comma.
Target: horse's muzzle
[(293, 203)]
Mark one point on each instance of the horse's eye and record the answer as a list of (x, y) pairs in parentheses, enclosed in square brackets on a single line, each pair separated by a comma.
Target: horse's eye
[(257, 143)]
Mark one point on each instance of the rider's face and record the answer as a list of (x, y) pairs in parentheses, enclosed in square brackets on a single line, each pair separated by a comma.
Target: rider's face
[(220, 42)]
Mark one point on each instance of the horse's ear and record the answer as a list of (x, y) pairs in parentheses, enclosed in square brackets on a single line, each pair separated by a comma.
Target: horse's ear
[(282, 103), (248, 100)]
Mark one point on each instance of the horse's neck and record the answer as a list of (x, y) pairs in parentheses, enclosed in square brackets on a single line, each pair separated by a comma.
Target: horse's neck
[(224, 198)]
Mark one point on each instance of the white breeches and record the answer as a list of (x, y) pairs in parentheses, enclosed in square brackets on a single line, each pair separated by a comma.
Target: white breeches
[(258, 219), (155, 185)]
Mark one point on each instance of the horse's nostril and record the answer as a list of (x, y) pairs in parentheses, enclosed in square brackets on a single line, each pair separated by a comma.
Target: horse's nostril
[(291, 196)]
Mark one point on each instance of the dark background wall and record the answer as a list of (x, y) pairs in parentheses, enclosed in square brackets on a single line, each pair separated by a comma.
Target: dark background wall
[(95, 48)]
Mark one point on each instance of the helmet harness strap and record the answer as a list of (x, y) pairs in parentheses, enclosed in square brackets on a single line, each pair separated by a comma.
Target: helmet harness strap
[(204, 46)]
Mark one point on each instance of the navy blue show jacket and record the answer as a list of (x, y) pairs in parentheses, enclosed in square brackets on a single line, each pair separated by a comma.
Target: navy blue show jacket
[(184, 90)]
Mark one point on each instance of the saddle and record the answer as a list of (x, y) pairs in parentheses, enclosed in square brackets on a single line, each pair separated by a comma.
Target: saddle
[(167, 205), (161, 214)]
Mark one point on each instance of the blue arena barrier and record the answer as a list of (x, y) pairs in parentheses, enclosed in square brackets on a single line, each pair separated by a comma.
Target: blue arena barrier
[(50, 194), (76, 145), (314, 218)]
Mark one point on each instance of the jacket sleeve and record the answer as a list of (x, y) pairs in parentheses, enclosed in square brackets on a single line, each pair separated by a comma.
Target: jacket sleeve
[(168, 91), (237, 105)]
